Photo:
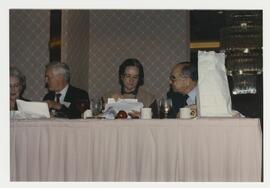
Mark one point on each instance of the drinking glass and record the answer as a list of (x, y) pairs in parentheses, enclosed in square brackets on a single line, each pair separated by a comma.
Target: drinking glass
[(165, 106), (96, 106)]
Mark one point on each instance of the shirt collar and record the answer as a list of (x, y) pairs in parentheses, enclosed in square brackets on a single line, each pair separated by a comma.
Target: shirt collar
[(63, 91), (192, 96)]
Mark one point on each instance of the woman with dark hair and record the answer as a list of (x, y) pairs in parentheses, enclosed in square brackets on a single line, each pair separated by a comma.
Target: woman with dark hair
[(131, 80), (17, 86)]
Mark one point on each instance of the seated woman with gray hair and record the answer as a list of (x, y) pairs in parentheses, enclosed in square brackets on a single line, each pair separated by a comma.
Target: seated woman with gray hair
[(17, 86)]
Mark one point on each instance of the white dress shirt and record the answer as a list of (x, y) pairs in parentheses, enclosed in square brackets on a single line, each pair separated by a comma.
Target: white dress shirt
[(192, 96), (63, 94)]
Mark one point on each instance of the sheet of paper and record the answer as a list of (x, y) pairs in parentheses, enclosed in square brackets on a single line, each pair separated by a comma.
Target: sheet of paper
[(128, 105), (34, 109)]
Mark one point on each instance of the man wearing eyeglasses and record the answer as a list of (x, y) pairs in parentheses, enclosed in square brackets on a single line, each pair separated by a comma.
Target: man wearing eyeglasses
[(183, 86)]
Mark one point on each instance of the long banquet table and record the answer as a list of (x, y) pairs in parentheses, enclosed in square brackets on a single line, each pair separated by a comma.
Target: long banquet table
[(204, 149)]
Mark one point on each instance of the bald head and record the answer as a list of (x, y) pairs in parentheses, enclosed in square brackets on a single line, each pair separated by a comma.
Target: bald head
[(183, 77), (187, 69)]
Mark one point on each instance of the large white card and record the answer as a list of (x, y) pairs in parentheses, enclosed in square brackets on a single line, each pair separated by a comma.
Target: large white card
[(33, 109)]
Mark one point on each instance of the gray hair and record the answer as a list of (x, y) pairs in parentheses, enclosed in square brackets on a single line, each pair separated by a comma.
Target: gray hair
[(15, 72), (189, 69), (59, 68)]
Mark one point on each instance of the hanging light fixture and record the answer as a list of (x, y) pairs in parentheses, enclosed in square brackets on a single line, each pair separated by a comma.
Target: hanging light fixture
[(241, 40)]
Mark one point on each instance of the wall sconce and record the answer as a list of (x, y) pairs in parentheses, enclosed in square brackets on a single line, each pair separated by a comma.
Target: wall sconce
[(241, 40)]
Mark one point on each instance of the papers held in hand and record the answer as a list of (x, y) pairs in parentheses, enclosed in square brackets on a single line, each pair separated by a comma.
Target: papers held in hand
[(33, 109), (128, 105)]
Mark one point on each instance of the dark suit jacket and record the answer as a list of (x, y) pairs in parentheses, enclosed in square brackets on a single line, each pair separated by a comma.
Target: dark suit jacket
[(178, 101), (78, 98)]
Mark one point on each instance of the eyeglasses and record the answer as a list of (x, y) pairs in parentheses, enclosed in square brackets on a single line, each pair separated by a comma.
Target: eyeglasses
[(128, 76), (174, 78)]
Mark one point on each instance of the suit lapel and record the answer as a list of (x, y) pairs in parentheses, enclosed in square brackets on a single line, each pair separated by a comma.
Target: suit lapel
[(51, 95), (68, 96)]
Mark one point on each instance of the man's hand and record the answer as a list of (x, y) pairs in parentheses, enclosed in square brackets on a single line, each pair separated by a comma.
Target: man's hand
[(53, 105)]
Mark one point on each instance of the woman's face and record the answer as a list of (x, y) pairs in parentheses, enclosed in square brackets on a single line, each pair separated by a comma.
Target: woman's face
[(15, 88), (130, 78)]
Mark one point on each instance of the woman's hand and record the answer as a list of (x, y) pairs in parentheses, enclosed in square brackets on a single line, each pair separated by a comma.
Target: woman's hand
[(117, 96), (135, 114)]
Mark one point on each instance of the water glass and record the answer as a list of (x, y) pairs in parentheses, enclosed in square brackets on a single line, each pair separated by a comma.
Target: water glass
[(165, 106), (96, 106)]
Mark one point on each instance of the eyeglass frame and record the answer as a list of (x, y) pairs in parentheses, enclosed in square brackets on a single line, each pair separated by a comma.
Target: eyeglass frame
[(174, 78)]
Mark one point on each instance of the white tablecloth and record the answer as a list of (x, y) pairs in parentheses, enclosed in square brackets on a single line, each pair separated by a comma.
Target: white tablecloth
[(207, 149)]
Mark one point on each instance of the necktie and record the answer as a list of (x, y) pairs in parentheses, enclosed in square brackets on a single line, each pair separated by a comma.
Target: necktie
[(185, 99), (58, 95)]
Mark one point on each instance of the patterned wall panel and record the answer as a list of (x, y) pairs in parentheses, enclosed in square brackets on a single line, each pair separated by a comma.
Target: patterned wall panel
[(158, 38), (75, 45), (29, 37)]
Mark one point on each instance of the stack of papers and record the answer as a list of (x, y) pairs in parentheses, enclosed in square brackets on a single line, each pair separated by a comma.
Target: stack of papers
[(128, 105)]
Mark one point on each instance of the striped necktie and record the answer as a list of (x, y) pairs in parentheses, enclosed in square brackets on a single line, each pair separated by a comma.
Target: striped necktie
[(185, 99), (58, 95)]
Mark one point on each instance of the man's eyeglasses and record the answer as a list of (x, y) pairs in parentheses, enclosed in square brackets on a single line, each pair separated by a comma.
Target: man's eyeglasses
[(174, 78)]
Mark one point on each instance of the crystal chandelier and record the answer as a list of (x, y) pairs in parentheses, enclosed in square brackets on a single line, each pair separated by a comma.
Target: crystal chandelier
[(241, 40)]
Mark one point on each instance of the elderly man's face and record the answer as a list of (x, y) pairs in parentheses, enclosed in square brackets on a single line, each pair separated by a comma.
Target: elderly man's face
[(15, 88), (177, 80), (130, 78), (53, 81)]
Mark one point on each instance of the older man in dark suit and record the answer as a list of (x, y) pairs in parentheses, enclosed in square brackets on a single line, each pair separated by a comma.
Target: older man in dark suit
[(183, 90), (63, 99)]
